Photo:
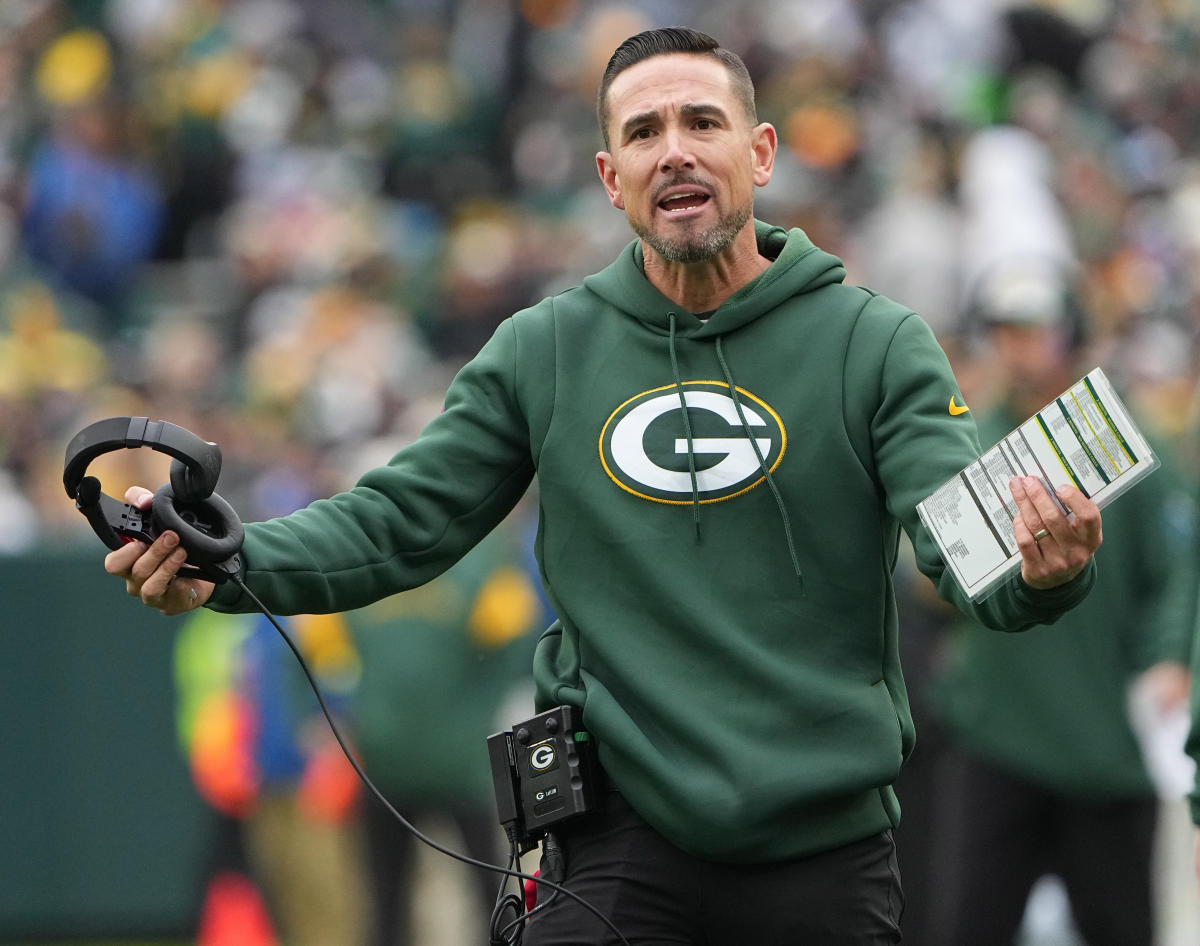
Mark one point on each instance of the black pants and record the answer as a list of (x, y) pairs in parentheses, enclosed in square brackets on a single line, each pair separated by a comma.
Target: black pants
[(997, 834), (658, 896)]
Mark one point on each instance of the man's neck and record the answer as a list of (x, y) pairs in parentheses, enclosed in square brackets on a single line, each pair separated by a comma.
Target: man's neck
[(701, 287)]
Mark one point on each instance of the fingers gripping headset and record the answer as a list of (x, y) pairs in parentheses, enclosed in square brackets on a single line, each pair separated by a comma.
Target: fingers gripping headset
[(212, 534)]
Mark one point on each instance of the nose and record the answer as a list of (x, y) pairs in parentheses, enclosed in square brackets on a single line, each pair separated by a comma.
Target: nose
[(676, 155)]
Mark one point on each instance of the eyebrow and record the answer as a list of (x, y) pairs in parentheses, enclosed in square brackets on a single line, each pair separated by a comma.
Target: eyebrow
[(689, 110)]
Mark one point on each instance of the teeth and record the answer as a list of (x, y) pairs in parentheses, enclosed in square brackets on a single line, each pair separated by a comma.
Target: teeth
[(675, 197)]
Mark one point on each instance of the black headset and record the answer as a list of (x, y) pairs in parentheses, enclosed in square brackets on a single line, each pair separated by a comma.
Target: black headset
[(207, 525)]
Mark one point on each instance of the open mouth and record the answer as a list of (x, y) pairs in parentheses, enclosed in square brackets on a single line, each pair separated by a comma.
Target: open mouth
[(677, 203)]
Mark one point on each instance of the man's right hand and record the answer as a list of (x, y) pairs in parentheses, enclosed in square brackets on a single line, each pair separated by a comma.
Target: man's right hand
[(150, 572)]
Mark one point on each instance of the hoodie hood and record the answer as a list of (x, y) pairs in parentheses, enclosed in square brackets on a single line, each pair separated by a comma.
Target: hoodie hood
[(797, 266)]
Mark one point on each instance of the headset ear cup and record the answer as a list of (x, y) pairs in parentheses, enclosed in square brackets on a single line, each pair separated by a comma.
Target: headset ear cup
[(188, 484), (218, 517)]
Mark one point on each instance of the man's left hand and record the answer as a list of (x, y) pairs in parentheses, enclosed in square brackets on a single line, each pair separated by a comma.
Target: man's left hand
[(1055, 547)]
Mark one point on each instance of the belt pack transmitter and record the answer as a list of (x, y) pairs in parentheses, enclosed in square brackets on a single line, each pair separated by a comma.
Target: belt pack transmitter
[(544, 771)]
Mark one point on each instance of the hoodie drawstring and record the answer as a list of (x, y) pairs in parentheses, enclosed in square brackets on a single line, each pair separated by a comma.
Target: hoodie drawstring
[(762, 463), (687, 428), (762, 460)]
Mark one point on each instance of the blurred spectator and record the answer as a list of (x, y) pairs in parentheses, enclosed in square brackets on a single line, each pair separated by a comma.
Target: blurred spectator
[(925, 269), (284, 852), (1043, 772), (488, 273), (441, 665), (40, 357), (91, 208)]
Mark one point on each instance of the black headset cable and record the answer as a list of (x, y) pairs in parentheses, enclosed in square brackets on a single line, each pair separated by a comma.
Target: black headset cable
[(509, 871)]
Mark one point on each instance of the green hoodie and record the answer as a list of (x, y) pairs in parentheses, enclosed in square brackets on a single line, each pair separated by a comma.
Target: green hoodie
[(722, 576)]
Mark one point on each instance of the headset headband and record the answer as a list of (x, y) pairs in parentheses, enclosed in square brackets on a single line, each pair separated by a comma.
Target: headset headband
[(197, 463)]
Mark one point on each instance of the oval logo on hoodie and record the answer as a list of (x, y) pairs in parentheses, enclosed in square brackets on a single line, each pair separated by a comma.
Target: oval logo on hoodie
[(644, 444)]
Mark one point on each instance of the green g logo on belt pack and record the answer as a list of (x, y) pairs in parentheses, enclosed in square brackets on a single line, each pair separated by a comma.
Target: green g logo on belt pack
[(644, 450)]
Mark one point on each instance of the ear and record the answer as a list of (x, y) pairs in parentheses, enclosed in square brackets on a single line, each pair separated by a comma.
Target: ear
[(610, 179), (764, 142)]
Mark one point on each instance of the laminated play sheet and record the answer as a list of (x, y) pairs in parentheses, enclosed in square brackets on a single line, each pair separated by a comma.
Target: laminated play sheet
[(1084, 437)]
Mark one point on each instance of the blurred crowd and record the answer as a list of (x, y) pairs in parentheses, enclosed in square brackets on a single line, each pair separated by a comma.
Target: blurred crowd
[(285, 223)]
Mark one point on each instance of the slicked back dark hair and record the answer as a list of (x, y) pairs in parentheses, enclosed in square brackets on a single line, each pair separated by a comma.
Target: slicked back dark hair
[(662, 42)]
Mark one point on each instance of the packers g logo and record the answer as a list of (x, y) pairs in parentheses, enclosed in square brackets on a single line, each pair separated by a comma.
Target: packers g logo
[(643, 446), (543, 757)]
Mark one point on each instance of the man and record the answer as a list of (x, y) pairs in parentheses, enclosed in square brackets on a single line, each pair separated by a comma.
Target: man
[(727, 441), (1042, 770)]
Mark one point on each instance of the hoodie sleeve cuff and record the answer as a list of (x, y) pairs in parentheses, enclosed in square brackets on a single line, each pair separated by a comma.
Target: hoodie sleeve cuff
[(1054, 602), (227, 598)]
